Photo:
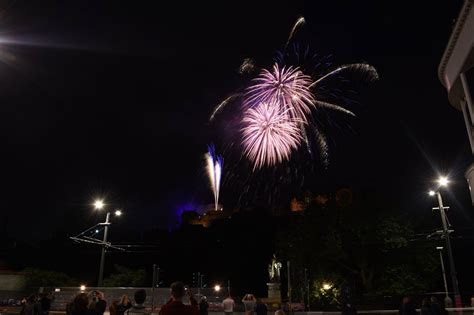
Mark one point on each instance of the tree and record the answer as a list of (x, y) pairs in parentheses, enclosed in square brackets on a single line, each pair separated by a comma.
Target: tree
[(126, 277), (36, 278), (362, 244), (325, 292)]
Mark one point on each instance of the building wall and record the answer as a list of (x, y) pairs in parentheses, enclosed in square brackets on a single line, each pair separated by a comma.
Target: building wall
[(12, 282)]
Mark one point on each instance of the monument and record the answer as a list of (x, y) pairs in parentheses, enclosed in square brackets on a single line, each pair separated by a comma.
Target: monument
[(274, 294)]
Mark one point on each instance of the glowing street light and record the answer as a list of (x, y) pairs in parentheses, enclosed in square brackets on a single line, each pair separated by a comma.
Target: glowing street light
[(82, 287), (118, 212), (99, 204), (443, 181), (327, 286), (217, 288), (431, 193)]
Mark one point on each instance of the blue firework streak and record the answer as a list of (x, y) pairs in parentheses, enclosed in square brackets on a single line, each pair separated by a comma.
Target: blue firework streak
[(214, 164)]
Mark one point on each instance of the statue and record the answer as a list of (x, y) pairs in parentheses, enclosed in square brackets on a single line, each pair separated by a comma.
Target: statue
[(274, 270), (274, 293)]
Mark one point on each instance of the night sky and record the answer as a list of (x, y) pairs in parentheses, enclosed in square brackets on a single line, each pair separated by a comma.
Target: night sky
[(112, 99)]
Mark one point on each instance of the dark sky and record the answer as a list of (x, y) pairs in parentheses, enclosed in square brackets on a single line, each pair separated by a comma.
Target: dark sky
[(112, 98)]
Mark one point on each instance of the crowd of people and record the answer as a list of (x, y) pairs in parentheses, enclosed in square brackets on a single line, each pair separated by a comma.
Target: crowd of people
[(429, 306), (175, 304), (93, 303), (36, 304)]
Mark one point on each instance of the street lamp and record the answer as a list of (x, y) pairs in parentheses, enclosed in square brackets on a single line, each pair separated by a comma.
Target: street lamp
[(443, 182), (327, 286), (440, 249), (99, 204), (217, 288), (82, 287), (84, 236)]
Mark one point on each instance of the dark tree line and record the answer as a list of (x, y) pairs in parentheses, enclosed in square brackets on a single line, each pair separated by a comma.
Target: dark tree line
[(358, 244)]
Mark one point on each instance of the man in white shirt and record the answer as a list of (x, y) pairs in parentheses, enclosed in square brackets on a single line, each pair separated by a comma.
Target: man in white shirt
[(228, 305)]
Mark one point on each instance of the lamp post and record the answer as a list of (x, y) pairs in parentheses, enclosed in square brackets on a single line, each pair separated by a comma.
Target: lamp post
[(102, 256), (85, 237), (290, 308), (99, 205), (443, 181), (306, 285), (440, 249)]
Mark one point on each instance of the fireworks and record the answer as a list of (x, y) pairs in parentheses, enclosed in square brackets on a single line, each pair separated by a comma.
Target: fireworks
[(214, 165), (299, 22), (277, 109), (287, 88), (360, 67), (247, 66), (222, 105), (269, 134)]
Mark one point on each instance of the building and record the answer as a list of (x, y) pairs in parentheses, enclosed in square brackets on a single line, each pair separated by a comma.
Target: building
[(456, 73), (205, 215)]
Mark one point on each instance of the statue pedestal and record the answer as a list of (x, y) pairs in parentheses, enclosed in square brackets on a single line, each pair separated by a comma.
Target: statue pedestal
[(274, 294)]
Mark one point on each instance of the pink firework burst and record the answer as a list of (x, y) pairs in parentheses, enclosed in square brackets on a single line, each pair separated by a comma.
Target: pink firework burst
[(288, 88), (269, 134)]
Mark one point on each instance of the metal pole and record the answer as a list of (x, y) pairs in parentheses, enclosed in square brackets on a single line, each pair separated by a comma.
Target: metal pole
[(454, 279), (306, 284), (153, 284), (289, 286), (199, 284), (102, 258), (444, 272)]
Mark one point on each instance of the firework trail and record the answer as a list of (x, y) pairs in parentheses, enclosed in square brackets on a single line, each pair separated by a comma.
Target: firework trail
[(362, 67), (269, 134), (214, 165), (333, 107), (322, 145), (287, 88), (221, 106), (247, 66), (299, 22)]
